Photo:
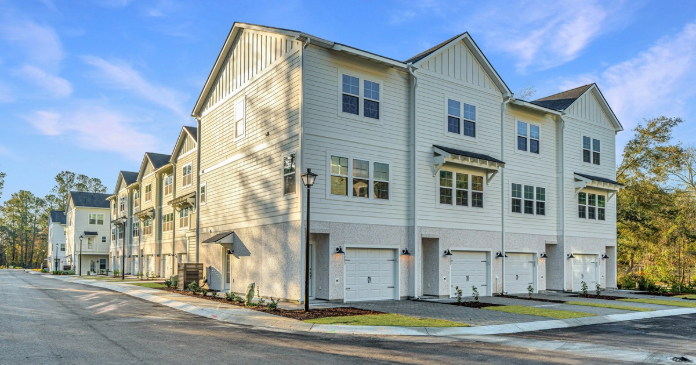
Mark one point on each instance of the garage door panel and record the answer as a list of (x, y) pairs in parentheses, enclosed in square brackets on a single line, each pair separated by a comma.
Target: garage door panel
[(373, 273), (468, 269), (584, 269), (519, 272)]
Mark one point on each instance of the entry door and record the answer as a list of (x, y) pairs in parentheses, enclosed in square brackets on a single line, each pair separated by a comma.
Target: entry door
[(519, 272), (584, 269), (369, 274), (468, 269), (228, 270)]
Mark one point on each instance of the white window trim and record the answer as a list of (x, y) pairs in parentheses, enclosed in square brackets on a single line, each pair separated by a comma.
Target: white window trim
[(145, 192), (529, 138), (242, 99), (165, 186), (188, 220), (587, 204), (460, 135), (370, 197), (190, 164), (582, 151), (203, 185), (454, 205), (523, 214), (361, 91), (297, 178)]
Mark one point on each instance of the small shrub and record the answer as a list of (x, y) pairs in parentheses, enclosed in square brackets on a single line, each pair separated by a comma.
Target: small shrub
[(57, 272), (251, 304), (459, 294), (273, 305), (204, 291), (583, 288), (229, 296), (530, 290), (261, 302), (117, 272), (168, 283), (214, 294), (598, 289), (475, 293), (194, 287)]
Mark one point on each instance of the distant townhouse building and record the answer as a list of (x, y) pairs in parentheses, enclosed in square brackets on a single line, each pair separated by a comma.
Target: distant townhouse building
[(123, 226), (87, 232), (55, 252)]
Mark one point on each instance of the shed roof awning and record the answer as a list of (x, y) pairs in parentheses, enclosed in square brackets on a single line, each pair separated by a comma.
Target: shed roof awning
[(119, 221), (445, 155), (91, 233), (226, 239), (583, 181), (145, 213), (184, 201)]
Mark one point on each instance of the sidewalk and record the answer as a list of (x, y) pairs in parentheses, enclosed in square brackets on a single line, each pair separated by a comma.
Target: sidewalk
[(248, 317)]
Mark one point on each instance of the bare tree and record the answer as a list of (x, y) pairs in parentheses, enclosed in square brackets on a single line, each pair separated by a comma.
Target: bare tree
[(526, 92)]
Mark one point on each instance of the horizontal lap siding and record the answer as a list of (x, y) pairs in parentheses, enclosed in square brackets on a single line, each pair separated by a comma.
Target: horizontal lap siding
[(249, 191), (328, 131)]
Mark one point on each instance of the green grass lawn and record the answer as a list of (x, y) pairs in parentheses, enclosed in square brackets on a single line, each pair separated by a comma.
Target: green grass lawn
[(612, 306), (541, 312), (690, 296), (672, 303), (150, 285), (386, 320)]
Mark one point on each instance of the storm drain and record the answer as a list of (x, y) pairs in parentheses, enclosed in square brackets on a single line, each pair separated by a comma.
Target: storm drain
[(681, 359)]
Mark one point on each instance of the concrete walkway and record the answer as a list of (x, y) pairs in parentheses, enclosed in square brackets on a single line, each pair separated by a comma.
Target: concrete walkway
[(249, 317)]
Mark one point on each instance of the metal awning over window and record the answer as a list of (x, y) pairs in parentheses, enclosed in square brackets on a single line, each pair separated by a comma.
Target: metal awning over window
[(90, 233), (445, 155), (583, 181), (226, 239), (187, 200), (146, 213), (119, 221)]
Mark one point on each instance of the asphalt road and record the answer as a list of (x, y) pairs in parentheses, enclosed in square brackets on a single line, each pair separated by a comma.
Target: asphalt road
[(48, 321)]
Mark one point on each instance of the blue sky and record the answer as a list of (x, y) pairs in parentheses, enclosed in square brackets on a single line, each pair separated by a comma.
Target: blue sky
[(89, 86)]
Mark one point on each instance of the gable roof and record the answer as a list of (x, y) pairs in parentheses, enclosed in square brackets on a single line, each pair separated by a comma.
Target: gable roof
[(91, 200), (185, 131), (563, 100), (432, 50), (158, 159), (193, 131), (129, 177), (57, 216)]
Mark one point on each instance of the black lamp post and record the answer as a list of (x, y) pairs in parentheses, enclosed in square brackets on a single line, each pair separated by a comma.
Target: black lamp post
[(308, 180), (55, 265), (79, 259), (123, 258)]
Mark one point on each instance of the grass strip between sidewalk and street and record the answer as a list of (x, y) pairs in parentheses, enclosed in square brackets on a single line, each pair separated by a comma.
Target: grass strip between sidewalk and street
[(388, 319), (150, 285), (541, 312), (671, 303), (612, 306)]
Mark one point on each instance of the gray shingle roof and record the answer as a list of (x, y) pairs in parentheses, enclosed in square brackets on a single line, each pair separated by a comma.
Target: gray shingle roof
[(430, 51), (193, 131), (57, 216), (469, 154), (158, 159), (92, 200), (562, 100), (597, 178), (129, 177)]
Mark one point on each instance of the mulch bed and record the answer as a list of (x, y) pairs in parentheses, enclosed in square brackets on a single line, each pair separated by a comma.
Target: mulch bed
[(595, 296), (298, 314), (658, 294), (534, 299), (474, 304)]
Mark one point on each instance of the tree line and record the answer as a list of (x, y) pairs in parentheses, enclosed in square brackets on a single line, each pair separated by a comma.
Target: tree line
[(24, 218)]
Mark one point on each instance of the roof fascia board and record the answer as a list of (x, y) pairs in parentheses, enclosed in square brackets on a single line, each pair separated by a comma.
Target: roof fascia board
[(143, 165), (179, 141), (603, 103), (526, 104), (360, 53)]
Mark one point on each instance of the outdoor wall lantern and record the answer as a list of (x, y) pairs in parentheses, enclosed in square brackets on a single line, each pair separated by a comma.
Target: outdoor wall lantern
[(230, 252), (571, 256), (604, 256), (158, 255), (500, 254), (405, 252), (543, 255), (448, 252), (339, 250)]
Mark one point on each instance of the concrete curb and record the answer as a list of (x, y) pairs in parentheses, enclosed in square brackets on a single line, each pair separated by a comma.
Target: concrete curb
[(249, 317)]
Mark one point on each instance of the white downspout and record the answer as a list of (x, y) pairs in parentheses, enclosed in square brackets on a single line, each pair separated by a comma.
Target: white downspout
[(303, 167), (414, 185), (506, 99), (562, 205)]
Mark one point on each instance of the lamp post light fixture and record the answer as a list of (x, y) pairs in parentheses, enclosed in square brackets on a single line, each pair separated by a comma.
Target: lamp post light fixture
[(79, 260), (308, 179)]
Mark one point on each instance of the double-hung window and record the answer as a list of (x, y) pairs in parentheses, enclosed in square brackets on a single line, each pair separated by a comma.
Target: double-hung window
[(527, 137), (113, 234), (590, 150), (461, 118), (62, 246), (136, 197), (148, 192), (351, 96), (203, 195), (187, 175), (528, 199), (147, 226), (90, 243), (591, 206), (289, 174), (168, 222), (168, 184), (239, 119), (122, 205), (361, 175), (120, 233), (184, 218), (461, 189), (136, 229), (96, 219)]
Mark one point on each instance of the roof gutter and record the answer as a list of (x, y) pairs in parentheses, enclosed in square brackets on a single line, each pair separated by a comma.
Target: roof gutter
[(506, 99)]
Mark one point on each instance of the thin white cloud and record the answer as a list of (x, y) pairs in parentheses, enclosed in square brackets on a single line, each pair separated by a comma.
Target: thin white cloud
[(123, 76), (95, 128), (55, 85), (41, 44)]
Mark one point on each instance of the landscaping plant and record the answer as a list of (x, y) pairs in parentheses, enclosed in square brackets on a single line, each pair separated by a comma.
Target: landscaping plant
[(273, 305), (459, 295), (168, 283), (530, 290), (598, 289), (583, 288), (214, 294), (204, 291), (475, 293), (194, 287)]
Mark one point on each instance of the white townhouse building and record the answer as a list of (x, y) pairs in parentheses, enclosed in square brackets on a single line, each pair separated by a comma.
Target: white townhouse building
[(431, 175), (87, 217), (55, 254)]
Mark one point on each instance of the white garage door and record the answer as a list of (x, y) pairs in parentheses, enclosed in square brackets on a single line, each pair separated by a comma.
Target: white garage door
[(468, 269), (584, 269), (519, 272), (369, 274)]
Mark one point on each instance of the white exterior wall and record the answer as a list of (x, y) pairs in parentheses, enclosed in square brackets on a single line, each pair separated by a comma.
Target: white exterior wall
[(77, 224), (56, 236)]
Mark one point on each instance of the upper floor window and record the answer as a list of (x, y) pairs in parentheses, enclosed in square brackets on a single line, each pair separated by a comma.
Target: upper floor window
[(289, 183), (147, 226), (113, 234), (62, 246), (203, 196), (136, 197), (239, 119), (367, 179), (148, 192), (591, 206), (120, 233), (528, 199), (122, 204), (187, 175), (168, 184), (103, 239), (136, 229), (461, 118), (96, 219), (184, 218), (350, 96), (527, 137), (590, 150), (168, 222), (90, 243), (461, 189)]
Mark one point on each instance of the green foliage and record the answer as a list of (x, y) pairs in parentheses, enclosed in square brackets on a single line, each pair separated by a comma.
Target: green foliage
[(117, 273), (204, 291), (273, 305), (530, 290), (459, 294), (194, 287), (168, 283), (475, 293), (598, 289), (214, 294), (583, 288)]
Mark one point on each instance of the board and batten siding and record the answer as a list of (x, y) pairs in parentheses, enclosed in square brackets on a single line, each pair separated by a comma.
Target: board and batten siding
[(457, 62), (329, 131), (588, 120), (243, 176)]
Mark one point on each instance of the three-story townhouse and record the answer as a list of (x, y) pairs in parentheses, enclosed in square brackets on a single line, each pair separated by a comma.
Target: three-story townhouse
[(431, 176), (87, 232), (55, 253), (120, 251)]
